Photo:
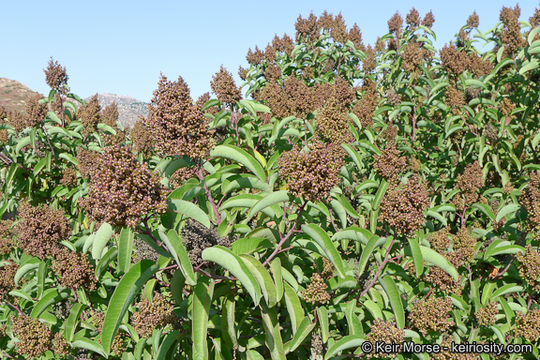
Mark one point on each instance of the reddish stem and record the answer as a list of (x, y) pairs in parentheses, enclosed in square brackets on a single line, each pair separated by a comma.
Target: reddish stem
[(283, 239)]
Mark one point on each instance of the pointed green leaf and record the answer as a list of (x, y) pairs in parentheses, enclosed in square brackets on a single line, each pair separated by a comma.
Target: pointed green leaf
[(348, 342), (190, 210), (262, 276), (202, 298), (100, 240), (243, 157), (392, 291), (274, 341), (179, 253), (434, 258), (321, 238), (125, 249)]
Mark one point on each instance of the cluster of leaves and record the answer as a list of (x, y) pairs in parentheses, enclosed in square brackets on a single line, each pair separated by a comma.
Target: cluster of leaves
[(381, 193)]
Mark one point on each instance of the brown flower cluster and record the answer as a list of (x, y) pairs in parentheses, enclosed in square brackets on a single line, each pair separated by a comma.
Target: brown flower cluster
[(450, 355), (529, 267), (531, 201), (224, 87), (141, 138), (487, 314), (429, 20), (197, 238), (90, 115), (35, 112), (511, 33), (6, 236), (109, 115), (464, 246), (389, 133), (367, 104), (180, 176), (242, 73), (178, 127), (393, 97), (328, 269), (307, 30), (413, 56), (69, 177), (403, 206), (333, 123), (7, 278), (122, 190), (74, 270), (355, 35), (413, 19), (473, 21), (394, 24), (56, 76), (41, 229), (454, 60), (440, 240), (60, 346), (152, 314), (255, 57), (384, 331), (299, 97), (317, 345), (17, 120), (443, 282), (390, 163), (4, 135), (469, 182), (432, 314), (527, 326), (87, 161), (34, 337), (316, 292), (272, 72), (143, 251), (312, 174)]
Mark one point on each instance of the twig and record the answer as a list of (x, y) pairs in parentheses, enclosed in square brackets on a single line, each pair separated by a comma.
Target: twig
[(209, 195), (286, 237)]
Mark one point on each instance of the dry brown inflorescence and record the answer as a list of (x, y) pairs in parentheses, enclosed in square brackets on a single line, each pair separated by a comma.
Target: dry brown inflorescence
[(529, 267), (387, 332), (531, 202), (403, 206), (432, 314), (152, 314), (56, 76), (34, 337), (390, 163), (486, 315), (90, 115), (41, 229), (316, 293), (224, 87), (527, 326), (312, 174), (122, 190), (198, 237), (74, 270), (177, 125)]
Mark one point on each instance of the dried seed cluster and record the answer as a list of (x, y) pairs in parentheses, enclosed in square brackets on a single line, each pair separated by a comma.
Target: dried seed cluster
[(333, 123), (464, 246), (224, 87), (41, 229), (469, 182), (529, 267), (151, 314), (403, 206), (531, 201), (432, 314), (312, 174), (443, 282), (74, 270), (69, 177), (34, 337), (90, 115), (141, 138), (7, 278), (487, 314), (390, 164), (6, 236), (384, 331), (316, 292), (35, 112), (177, 125), (56, 76), (527, 325), (511, 33), (122, 190)]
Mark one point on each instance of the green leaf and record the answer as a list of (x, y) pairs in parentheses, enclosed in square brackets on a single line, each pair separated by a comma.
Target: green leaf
[(392, 291), (69, 158), (125, 249), (322, 314), (124, 294), (236, 266), (417, 255), (50, 296), (243, 157), (305, 328), (101, 238), (366, 253), (262, 276), (274, 341), (275, 265), (267, 200), (70, 325), (486, 209), (321, 238), (506, 210), (85, 343), (506, 289), (190, 210), (166, 345), (180, 255), (347, 342), (202, 298), (379, 195), (433, 257), (294, 307)]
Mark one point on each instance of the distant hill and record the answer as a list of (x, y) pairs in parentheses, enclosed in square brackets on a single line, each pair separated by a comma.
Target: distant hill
[(13, 96), (129, 109)]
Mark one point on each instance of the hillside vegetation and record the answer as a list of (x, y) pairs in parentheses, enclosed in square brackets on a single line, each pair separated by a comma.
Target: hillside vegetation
[(345, 194)]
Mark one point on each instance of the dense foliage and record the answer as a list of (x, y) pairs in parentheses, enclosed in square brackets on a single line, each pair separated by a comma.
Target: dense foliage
[(385, 193)]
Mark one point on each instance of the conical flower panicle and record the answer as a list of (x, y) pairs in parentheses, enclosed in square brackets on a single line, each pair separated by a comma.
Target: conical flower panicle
[(177, 125)]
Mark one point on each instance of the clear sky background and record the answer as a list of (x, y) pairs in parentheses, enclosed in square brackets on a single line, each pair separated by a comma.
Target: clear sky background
[(122, 46)]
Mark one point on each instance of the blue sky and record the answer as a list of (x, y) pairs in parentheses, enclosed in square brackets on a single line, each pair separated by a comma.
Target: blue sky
[(122, 46)]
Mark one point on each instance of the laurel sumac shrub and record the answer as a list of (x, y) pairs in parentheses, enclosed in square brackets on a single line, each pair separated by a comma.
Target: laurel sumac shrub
[(343, 193)]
